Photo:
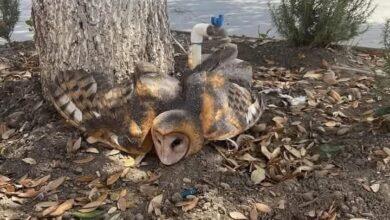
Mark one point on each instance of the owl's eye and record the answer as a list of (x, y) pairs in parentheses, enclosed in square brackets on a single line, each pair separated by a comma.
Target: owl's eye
[(176, 142)]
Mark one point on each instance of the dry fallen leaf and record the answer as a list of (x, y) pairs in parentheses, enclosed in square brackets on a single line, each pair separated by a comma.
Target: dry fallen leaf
[(112, 152), (112, 210), (343, 131), (253, 214), (128, 161), (237, 216), (370, 119), (3, 128), (335, 95), (30, 161), (366, 187), (266, 152), (4, 179), (330, 124), (149, 190), (95, 204), (49, 210), (61, 209), (76, 145), (330, 77), (301, 129), (302, 168), (7, 134), (258, 175), (73, 145), (40, 206), (356, 94), (92, 150), (113, 178), (248, 157), (279, 121), (54, 184), (29, 193), (123, 193), (189, 204), (375, 187), (355, 104), (40, 181), (94, 192), (386, 160), (387, 150), (274, 153), (85, 178), (122, 204), (293, 151), (24, 181), (263, 208), (125, 172), (155, 203), (311, 213), (312, 75), (282, 204), (8, 189)]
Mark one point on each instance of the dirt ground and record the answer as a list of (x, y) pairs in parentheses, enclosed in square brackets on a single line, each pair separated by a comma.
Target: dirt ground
[(320, 152)]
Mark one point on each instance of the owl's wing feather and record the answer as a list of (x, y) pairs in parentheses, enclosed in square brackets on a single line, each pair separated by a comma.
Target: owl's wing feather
[(80, 96), (225, 53), (239, 72), (246, 107), (234, 110), (224, 60)]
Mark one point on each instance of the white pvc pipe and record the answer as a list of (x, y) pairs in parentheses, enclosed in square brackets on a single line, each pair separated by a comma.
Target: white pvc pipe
[(199, 31)]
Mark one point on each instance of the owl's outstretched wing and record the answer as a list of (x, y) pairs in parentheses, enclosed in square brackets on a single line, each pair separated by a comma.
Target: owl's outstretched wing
[(80, 96), (228, 108)]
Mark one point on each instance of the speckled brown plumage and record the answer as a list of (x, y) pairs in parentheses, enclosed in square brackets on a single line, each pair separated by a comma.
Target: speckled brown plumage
[(120, 116), (218, 105), (228, 107)]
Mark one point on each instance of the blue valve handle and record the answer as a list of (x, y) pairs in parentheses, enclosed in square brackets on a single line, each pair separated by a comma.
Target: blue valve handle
[(217, 21), (189, 191)]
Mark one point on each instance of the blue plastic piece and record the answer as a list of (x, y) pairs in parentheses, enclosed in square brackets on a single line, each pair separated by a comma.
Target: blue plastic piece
[(217, 21), (189, 191)]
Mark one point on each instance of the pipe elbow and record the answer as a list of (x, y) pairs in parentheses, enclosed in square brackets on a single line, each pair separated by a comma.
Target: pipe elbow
[(199, 31)]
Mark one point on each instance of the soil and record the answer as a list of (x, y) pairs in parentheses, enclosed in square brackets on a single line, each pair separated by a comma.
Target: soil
[(341, 160)]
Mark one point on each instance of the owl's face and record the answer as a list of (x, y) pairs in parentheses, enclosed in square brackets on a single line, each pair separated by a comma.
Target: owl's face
[(176, 135), (170, 147)]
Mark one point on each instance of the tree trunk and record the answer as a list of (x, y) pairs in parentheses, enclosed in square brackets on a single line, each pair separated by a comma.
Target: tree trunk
[(107, 36)]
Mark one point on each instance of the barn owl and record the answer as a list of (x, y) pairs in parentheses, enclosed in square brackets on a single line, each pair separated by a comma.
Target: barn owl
[(218, 105)]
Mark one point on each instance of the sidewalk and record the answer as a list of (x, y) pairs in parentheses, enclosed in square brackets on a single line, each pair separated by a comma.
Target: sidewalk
[(247, 17), (243, 17)]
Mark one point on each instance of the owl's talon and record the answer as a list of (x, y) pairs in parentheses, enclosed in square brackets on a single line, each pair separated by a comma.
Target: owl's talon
[(235, 145)]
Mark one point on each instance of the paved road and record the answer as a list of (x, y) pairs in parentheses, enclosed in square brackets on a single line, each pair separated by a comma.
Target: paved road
[(243, 17)]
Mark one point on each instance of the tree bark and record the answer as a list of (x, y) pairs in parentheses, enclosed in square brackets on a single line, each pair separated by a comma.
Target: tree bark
[(107, 36)]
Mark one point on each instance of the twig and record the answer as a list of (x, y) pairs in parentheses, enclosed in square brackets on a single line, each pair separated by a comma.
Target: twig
[(179, 44), (307, 203), (352, 69)]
